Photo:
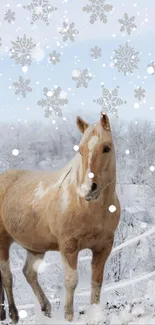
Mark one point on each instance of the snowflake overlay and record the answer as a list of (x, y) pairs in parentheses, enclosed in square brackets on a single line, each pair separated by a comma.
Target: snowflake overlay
[(68, 31), (139, 93), (22, 86), (126, 59), (83, 78), (21, 50), (152, 64), (52, 102), (41, 9), (9, 16), (98, 9), (127, 24), (109, 101), (95, 52), (54, 57)]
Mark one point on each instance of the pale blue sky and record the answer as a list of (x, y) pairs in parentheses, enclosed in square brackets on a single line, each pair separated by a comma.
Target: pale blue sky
[(45, 74)]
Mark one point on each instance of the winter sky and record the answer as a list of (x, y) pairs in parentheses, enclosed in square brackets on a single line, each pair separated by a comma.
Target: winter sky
[(76, 56)]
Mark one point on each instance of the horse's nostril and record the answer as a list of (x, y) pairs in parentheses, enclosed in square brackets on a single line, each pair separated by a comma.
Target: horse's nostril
[(94, 187)]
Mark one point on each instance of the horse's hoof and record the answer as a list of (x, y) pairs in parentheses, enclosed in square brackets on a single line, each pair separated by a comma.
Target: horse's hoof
[(46, 309), (13, 313), (68, 317)]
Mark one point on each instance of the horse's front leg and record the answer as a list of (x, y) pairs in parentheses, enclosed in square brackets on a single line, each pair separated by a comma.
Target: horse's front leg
[(98, 262), (70, 258)]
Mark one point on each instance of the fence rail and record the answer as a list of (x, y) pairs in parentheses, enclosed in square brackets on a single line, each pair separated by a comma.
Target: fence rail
[(125, 244)]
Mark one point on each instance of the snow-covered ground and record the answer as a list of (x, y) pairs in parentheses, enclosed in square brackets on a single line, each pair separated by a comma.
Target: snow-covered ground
[(140, 311)]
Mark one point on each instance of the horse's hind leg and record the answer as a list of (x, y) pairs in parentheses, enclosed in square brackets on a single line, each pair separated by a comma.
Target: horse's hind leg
[(7, 280), (30, 273)]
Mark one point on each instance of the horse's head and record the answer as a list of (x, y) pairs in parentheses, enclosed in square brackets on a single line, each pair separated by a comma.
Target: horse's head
[(97, 158)]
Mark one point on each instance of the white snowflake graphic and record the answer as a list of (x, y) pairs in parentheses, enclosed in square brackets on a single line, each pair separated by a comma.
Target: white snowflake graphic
[(95, 52), (127, 23), (22, 86), (109, 101), (81, 77), (21, 50), (139, 93), (54, 57), (98, 10), (126, 59), (68, 31), (41, 10), (9, 16), (53, 101)]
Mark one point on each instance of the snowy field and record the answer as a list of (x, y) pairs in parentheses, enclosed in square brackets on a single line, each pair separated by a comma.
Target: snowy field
[(128, 293)]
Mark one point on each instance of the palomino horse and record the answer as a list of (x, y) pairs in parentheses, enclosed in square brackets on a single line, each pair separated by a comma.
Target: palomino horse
[(66, 211)]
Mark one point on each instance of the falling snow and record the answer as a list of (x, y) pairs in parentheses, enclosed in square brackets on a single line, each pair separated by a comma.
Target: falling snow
[(53, 101), (82, 78), (41, 10), (139, 93), (95, 52), (23, 314), (54, 57), (15, 152), (109, 101), (126, 59), (90, 175), (9, 16), (112, 208), (76, 74), (76, 147), (39, 266), (24, 68), (151, 68), (37, 54), (68, 31), (21, 50), (22, 86), (98, 10), (127, 23)]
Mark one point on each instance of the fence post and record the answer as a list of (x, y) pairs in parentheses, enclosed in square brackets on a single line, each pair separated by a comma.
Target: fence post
[(2, 300)]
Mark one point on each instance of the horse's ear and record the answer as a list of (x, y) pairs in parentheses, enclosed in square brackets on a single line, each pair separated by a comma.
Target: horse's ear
[(82, 125), (105, 121)]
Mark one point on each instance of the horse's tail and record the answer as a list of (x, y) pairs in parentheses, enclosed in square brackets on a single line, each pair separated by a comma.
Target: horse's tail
[(2, 300)]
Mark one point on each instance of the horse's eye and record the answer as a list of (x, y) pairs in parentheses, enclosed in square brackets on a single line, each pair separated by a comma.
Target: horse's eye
[(106, 149)]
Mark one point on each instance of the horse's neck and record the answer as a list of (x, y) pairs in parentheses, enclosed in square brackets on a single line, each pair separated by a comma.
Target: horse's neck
[(73, 164), (69, 172)]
